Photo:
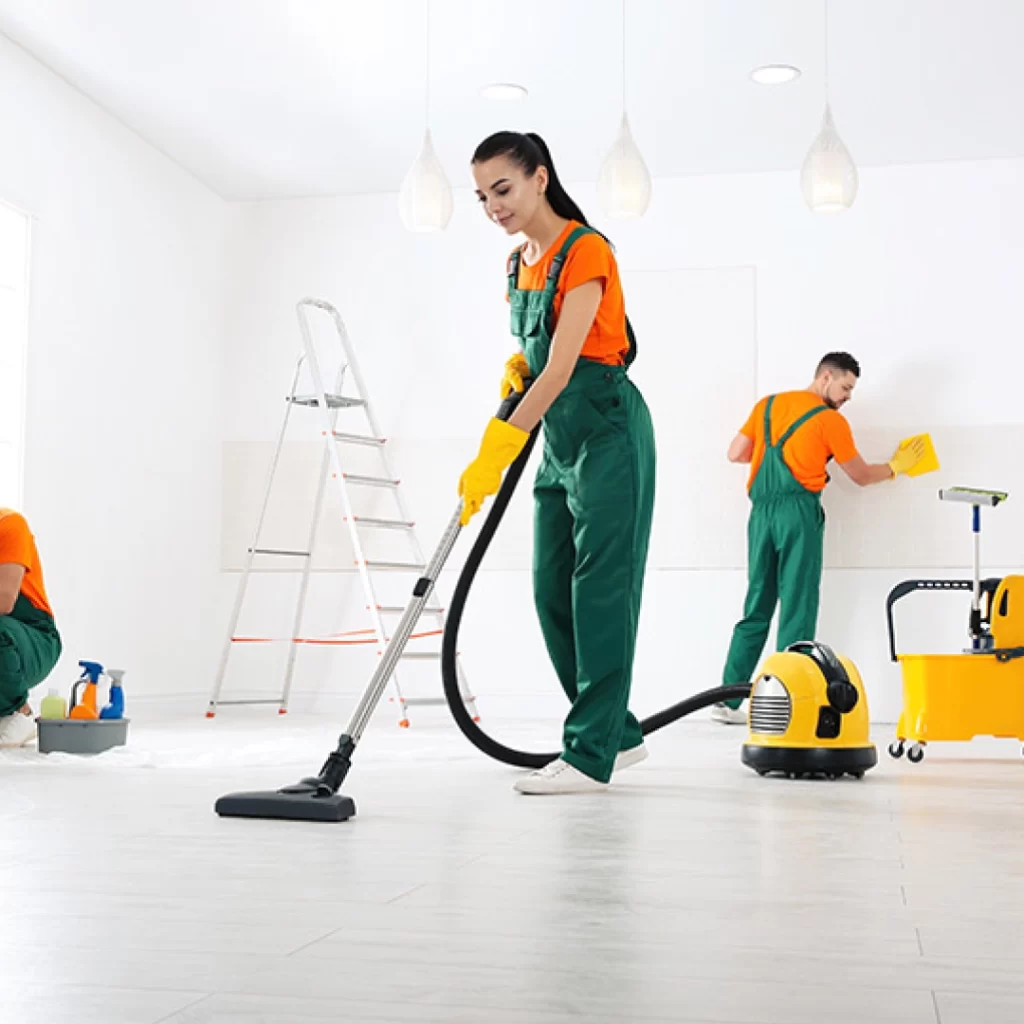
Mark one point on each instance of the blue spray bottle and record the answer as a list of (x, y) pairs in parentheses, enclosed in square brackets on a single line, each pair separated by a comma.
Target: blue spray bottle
[(115, 707)]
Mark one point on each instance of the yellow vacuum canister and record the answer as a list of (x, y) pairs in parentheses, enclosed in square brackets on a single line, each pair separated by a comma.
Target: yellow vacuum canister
[(808, 715)]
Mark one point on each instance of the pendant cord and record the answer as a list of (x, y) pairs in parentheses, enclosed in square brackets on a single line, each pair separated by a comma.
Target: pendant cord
[(826, 53), (623, 56), (427, 90)]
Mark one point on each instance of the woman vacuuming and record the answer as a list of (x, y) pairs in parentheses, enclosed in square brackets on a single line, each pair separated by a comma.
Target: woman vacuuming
[(594, 491)]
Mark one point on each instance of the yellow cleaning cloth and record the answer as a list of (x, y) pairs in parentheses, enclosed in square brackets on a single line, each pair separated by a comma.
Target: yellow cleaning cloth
[(929, 461)]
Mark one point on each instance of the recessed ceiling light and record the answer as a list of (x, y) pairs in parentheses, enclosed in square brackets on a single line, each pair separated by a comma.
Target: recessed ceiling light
[(775, 74), (504, 91)]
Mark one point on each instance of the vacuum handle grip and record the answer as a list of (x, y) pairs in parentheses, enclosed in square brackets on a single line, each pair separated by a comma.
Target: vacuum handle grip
[(842, 694), (511, 403)]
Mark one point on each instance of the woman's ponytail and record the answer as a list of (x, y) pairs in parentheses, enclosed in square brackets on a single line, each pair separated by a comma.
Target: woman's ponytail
[(561, 202)]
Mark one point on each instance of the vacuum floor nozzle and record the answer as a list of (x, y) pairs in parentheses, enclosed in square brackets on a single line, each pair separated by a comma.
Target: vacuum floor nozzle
[(308, 800)]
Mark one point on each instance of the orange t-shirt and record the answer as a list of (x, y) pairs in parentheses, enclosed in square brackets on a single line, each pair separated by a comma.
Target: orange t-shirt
[(18, 546), (807, 452), (589, 259)]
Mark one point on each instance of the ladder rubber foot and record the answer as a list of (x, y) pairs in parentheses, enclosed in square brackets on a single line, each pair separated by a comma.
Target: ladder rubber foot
[(404, 723), (282, 711), (210, 714)]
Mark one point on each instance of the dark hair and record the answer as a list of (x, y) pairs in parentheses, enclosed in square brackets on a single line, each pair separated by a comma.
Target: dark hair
[(838, 362), (530, 151)]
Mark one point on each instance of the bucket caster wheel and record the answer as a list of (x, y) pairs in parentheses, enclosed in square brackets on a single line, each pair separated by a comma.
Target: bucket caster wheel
[(896, 749), (857, 775), (915, 753), (762, 772)]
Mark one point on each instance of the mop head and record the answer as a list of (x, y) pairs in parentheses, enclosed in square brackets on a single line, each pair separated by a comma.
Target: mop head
[(308, 800)]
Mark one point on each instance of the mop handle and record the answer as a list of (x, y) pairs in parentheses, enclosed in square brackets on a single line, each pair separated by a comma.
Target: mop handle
[(976, 526), (975, 497)]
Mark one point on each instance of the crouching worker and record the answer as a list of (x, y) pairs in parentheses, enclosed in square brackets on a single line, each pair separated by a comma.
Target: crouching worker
[(29, 642)]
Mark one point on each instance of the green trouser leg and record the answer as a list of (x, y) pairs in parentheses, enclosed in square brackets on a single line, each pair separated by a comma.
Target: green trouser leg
[(784, 557), (751, 632), (592, 524), (554, 562), (800, 539), (27, 657)]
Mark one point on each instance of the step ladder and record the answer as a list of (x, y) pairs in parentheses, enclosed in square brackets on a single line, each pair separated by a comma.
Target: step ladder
[(329, 406)]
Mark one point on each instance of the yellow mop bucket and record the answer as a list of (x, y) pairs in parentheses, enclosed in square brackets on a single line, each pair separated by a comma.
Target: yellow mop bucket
[(951, 697)]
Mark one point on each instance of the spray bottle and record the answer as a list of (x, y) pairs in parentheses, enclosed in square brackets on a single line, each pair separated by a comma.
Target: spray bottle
[(90, 678), (115, 706)]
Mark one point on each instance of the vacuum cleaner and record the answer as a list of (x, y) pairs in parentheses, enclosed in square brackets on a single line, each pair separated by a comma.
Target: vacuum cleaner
[(808, 716), (317, 798)]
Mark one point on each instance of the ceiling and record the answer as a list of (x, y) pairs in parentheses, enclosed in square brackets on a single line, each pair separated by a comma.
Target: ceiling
[(285, 98)]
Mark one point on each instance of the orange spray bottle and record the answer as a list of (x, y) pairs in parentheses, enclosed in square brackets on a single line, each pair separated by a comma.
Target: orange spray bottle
[(90, 679)]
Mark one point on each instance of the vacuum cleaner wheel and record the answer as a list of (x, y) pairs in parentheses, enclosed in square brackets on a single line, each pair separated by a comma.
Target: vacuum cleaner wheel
[(803, 762)]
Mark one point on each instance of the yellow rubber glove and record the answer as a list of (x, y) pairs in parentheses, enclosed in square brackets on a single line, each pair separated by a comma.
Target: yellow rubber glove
[(498, 450), (907, 458), (515, 370)]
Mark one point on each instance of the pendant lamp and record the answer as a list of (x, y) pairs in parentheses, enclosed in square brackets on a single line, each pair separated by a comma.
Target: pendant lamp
[(425, 199), (828, 177), (624, 183)]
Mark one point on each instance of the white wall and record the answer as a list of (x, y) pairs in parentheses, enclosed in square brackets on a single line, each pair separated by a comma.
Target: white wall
[(122, 455), (920, 280)]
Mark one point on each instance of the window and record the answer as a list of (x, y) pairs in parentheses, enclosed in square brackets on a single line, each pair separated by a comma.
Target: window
[(14, 236)]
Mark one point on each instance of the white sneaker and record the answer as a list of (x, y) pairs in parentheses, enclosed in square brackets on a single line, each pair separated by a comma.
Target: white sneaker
[(17, 730), (628, 758), (729, 716), (559, 777)]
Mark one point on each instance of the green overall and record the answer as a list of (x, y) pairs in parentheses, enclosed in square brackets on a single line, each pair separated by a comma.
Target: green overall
[(594, 497), (785, 535), (29, 648)]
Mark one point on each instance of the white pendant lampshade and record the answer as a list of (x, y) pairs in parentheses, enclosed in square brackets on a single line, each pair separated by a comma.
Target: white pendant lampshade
[(828, 177), (425, 200), (624, 183)]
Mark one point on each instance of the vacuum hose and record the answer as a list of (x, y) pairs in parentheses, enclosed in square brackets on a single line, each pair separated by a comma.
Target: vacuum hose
[(449, 644)]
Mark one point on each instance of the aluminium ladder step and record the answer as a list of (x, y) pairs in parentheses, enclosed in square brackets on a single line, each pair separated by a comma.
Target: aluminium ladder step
[(363, 439), (394, 566), (369, 481), (381, 524), (398, 609), (333, 401)]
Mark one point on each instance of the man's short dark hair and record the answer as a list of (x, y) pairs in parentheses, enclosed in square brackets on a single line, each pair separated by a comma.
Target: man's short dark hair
[(838, 362)]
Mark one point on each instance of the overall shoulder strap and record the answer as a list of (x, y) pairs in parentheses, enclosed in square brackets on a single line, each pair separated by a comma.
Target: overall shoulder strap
[(768, 421), (555, 270), (512, 269), (809, 415)]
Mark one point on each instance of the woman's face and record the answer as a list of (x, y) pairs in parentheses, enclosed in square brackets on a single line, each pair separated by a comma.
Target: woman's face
[(509, 197)]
